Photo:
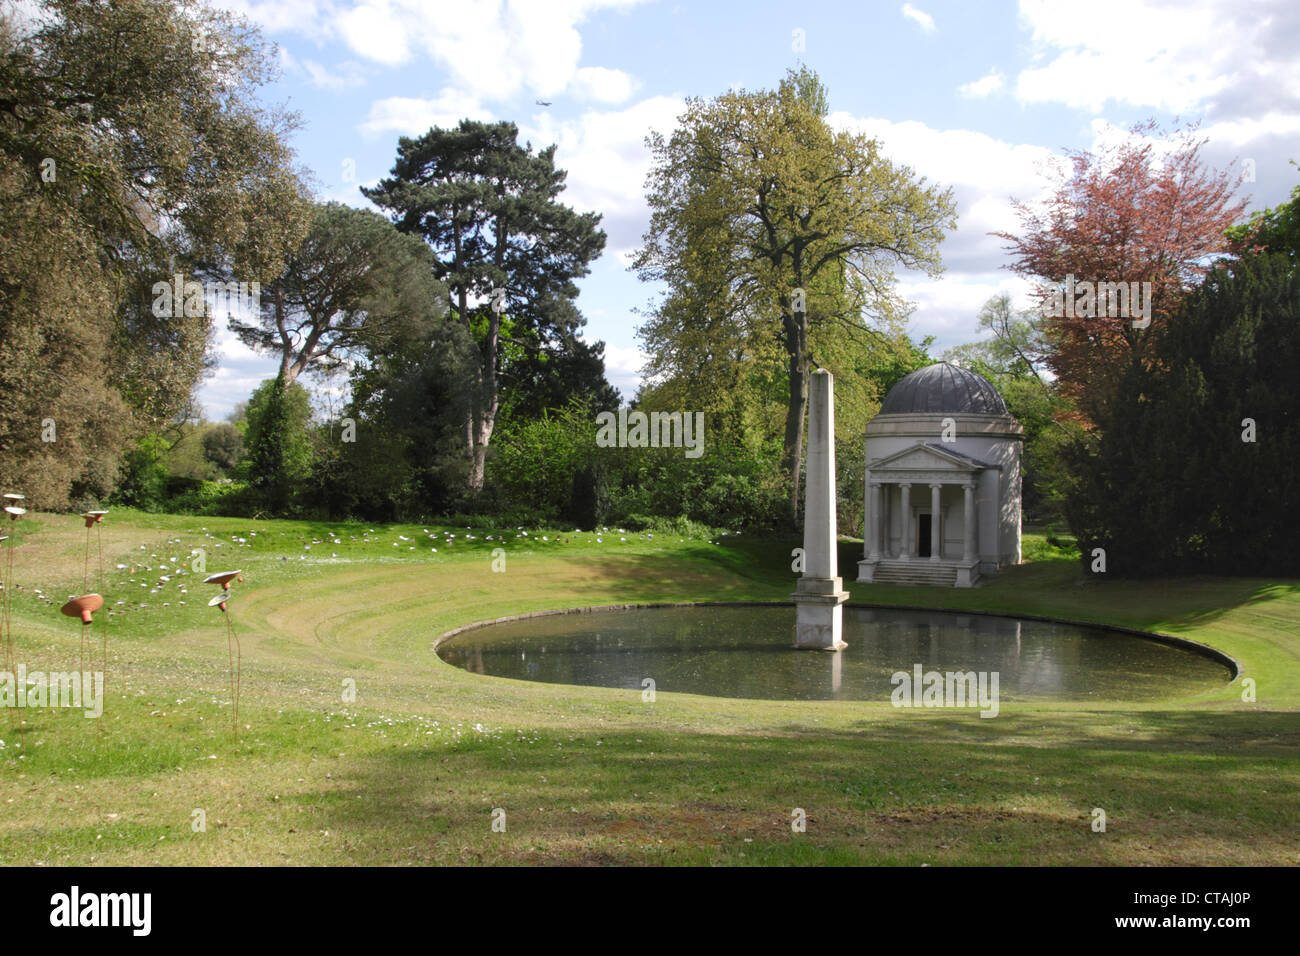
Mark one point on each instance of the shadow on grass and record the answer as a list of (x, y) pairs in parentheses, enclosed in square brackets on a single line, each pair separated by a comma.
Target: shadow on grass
[(631, 796), (1254, 733)]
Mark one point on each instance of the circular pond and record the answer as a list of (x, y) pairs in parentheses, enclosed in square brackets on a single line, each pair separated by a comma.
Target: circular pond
[(736, 651)]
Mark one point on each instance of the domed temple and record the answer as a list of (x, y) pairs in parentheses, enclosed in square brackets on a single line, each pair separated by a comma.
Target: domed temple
[(942, 490)]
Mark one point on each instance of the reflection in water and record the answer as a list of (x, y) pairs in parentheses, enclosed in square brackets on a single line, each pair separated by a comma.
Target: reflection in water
[(749, 652)]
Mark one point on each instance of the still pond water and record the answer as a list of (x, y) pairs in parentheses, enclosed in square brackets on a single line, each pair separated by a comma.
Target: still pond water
[(748, 652)]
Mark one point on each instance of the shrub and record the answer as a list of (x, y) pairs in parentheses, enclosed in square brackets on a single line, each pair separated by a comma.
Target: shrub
[(142, 482), (214, 498)]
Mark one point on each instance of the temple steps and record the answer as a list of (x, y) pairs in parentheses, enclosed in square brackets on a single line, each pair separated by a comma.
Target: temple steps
[(918, 573)]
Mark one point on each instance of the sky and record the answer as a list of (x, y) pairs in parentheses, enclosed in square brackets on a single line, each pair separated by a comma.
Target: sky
[(980, 97)]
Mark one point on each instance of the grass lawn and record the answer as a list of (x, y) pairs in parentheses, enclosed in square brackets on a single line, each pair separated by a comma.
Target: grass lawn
[(411, 771)]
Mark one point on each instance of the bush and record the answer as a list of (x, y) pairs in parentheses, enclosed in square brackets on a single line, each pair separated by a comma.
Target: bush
[(142, 482), (538, 464), (729, 487), (214, 498)]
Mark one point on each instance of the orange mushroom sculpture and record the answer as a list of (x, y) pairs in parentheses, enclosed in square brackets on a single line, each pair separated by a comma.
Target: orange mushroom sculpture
[(94, 519), (83, 607)]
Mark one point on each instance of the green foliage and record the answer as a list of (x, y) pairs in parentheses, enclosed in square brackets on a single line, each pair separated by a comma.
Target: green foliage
[(356, 286), (553, 467), (1049, 421), (229, 498), (1171, 484), (539, 464), (1048, 547), (729, 486), (409, 408), (768, 225), (1010, 360), (895, 363), (374, 477), (279, 447), (1272, 230), (143, 480), (186, 458), (588, 506), (223, 446), (126, 154)]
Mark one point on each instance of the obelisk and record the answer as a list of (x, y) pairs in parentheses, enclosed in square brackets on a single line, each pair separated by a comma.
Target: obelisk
[(818, 613)]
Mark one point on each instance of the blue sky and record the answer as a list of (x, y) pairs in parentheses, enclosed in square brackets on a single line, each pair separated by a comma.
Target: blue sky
[(977, 96)]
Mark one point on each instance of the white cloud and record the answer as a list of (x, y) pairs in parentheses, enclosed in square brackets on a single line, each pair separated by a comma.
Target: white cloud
[(623, 368), (988, 84), (26, 16), (412, 115), (1180, 57), (1239, 132), (603, 85), (607, 161), (341, 76), (492, 49), (985, 174), (240, 371), (947, 308), (923, 19), (309, 17), (375, 31)]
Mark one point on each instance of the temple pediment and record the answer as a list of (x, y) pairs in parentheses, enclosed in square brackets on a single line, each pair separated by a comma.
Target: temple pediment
[(928, 457)]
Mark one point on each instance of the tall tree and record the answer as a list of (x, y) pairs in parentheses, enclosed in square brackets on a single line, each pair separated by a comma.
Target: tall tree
[(1270, 230), (410, 406), (488, 208), (1127, 214), (279, 448), (766, 222), (1194, 468), (352, 287), (1017, 347), (131, 148), (539, 381)]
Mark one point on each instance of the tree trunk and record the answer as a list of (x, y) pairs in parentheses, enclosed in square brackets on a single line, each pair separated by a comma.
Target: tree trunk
[(286, 343), (485, 409), (482, 437), (487, 399)]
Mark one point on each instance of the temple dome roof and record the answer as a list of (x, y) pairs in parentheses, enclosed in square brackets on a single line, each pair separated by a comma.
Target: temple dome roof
[(943, 388)]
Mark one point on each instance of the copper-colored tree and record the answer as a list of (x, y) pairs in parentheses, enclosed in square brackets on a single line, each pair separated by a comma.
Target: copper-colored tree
[(1130, 213)]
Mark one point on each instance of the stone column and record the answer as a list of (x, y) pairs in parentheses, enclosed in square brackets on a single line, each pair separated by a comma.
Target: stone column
[(877, 522), (936, 542), (905, 526), (968, 546), (820, 594), (886, 515), (877, 531), (868, 519)]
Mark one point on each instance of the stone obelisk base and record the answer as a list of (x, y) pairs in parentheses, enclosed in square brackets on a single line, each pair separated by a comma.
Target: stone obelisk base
[(819, 614)]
